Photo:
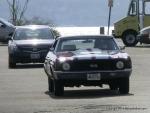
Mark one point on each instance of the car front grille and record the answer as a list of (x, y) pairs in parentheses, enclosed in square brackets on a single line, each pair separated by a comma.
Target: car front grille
[(34, 48), (92, 65)]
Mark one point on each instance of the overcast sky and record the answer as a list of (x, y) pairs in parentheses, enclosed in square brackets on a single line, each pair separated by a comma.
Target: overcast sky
[(72, 12)]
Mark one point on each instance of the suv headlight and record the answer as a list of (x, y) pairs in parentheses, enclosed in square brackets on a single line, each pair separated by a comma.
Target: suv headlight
[(120, 65), (13, 47), (66, 66)]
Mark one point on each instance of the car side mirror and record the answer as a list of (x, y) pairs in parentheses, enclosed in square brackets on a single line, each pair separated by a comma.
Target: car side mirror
[(9, 38), (57, 36), (2, 25), (122, 47), (11, 34), (52, 49)]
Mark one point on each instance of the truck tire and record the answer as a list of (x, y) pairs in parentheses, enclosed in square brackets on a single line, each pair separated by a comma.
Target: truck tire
[(129, 38), (113, 87), (58, 88), (11, 62), (50, 85), (124, 86)]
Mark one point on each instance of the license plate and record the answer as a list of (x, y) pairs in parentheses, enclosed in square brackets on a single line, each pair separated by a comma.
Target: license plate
[(35, 56), (93, 76)]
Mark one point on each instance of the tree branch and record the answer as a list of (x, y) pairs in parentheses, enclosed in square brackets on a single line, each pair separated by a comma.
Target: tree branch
[(24, 9)]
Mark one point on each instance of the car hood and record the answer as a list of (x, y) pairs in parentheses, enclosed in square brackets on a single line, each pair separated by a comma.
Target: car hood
[(33, 42), (93, 54), (145, 30)]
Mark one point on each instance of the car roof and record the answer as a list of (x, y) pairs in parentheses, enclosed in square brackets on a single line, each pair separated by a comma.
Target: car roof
[(86, 36), (32, 27)]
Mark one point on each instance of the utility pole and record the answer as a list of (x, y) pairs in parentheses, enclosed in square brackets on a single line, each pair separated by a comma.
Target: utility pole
[(110, 5)]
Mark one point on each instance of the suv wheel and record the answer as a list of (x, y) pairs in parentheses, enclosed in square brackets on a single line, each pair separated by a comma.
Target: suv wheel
[(58, 88), (124, 86), (129, 38), (11, 62), (50, 85)]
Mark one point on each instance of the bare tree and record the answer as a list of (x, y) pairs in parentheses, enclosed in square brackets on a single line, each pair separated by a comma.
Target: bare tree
[(17, 10)]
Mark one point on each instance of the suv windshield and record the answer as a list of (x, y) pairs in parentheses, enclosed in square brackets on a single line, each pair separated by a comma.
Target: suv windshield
[(27, 34), (72, 44)]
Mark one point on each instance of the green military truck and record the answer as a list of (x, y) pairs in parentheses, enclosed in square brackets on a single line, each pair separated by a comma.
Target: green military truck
[(138, 17)]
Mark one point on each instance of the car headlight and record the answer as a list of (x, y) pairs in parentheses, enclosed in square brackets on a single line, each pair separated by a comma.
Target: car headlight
[(62, 59), (120, 65), (144, 33), (66, 66), (13, 47)]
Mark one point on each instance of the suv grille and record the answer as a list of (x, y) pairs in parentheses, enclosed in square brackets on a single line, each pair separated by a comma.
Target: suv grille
[(34, 48)]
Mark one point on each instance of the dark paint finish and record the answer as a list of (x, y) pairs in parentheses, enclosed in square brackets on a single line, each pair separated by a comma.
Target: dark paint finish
[(87, 61)]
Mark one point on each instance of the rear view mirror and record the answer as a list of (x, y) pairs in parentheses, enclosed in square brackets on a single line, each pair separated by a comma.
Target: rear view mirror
[(122, 47)]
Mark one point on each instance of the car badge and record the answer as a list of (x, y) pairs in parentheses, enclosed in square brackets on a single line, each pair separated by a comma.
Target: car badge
[(34, 49), (93, 65)]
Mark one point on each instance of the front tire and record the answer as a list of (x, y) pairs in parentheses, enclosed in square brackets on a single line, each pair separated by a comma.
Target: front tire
[(11, 62), (50, 85), (124, 86), (129, 38), (58, 88)]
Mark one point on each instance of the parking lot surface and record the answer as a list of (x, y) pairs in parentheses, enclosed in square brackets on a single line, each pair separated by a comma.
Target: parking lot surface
[(25, 90)]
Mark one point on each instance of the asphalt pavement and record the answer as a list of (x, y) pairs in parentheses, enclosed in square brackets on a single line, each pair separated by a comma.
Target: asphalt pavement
[(24, 90)]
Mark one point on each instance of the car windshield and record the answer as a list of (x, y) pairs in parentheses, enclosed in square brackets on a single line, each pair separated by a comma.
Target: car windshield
[(27, 34), (73, 44)]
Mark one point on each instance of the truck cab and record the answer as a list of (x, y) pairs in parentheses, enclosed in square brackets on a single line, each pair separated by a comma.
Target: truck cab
[(138, 17)]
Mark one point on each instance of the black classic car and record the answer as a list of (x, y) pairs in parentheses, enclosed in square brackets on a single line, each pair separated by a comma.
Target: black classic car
[(29, 44), (89, 61)]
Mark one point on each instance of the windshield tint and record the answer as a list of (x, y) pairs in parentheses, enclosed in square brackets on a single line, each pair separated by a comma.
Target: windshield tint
[(86, 43), (27, 34)]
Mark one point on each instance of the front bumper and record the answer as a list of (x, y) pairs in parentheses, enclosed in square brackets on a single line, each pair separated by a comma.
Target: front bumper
[(142, 38), (58, 75), (25, 57)]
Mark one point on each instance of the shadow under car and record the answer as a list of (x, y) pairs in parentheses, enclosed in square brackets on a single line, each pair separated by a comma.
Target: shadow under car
[(88, 93)]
